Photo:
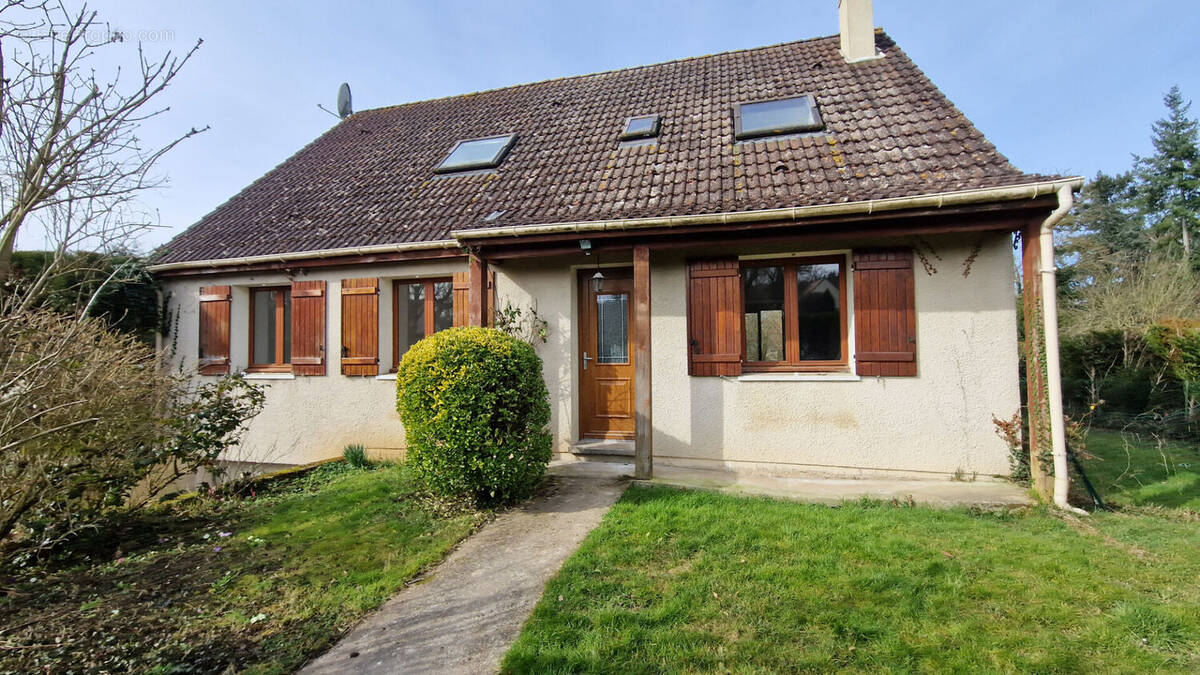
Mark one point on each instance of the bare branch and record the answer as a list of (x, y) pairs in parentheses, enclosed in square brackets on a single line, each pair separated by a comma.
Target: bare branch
[(71, 160)]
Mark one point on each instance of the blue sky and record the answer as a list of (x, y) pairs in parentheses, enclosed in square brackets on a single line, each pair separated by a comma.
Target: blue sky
[(1059, 86)]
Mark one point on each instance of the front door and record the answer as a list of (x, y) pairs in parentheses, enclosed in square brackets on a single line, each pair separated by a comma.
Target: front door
[(606, 355)]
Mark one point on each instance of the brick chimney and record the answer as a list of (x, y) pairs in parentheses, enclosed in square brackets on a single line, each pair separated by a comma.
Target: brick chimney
[(856, 19)]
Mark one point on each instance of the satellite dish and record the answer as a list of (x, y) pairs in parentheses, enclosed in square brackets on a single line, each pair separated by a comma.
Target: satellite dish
[(343, 101)]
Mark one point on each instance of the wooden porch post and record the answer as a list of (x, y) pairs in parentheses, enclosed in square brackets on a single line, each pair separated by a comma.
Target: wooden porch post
[(643, 443), (477, 305), (1034, 347)]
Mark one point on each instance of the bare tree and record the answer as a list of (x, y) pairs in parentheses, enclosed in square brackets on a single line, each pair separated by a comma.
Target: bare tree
[(1130, 299), (71, 160)]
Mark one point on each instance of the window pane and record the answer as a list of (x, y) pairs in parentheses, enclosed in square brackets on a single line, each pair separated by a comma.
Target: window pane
[(287, 326), (478, 154), (410, 317), (264, 327), (612, 328), (774, 117), (443, 305), (764, 314), (820, 312), (641, 127)]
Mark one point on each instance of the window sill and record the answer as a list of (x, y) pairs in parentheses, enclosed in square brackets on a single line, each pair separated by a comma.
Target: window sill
[(386, 376), (799, 377), (268, 376)]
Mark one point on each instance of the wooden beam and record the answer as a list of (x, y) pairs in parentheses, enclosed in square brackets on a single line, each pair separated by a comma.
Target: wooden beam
[(643, 440), (688, 238), (1037, 404), (960, 219), (477, 305)]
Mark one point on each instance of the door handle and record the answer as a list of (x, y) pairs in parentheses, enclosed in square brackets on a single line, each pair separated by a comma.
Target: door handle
[(586, 358)]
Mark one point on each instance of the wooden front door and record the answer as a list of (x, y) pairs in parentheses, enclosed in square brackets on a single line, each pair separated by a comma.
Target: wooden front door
[(606, 398)]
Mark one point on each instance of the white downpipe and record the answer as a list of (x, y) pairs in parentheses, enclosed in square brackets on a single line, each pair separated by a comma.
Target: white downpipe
[(1058, 428)]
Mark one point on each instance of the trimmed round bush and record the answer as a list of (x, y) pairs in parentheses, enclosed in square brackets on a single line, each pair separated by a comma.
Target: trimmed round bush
[(475, 409)]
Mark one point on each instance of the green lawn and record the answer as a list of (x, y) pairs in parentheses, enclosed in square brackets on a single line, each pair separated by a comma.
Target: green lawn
[(257, 584), (1134, 469), (680, 581)]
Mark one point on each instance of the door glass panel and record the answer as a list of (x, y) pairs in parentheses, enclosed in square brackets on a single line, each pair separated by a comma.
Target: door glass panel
[(410, 315), (764, 314), (443, 305), (820, 312), (612, 328), (264, 327)]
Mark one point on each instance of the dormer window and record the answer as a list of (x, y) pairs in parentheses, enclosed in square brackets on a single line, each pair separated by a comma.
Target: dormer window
[(477, 153), (776, 117), (642, 126)]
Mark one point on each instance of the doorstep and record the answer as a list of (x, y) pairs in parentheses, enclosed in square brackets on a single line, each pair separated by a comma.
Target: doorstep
[(603, 446)]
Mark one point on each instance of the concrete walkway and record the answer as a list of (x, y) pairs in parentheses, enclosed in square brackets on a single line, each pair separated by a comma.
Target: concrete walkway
[(469, 611), (937, 493)]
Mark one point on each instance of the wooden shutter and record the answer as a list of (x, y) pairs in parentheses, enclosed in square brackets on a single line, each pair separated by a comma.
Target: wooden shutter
[(885, 315), (715, 319), (308, 327), (360, 326), (214, 330), (462, 299)]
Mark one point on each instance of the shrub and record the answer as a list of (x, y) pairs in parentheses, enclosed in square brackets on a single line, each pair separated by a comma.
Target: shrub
[(1177, 342), (86, 415), (1018, 453), (524, 324), (475, 410), (356, 456)]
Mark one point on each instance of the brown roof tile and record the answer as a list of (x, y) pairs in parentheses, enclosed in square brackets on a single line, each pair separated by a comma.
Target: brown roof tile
[(889, 132)]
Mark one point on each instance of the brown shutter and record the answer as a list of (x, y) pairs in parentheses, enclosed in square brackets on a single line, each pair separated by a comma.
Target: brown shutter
[(308, 327), (715, 317), (490, 298), (360, 326), (214, 330), (885, 315), (462, 299)]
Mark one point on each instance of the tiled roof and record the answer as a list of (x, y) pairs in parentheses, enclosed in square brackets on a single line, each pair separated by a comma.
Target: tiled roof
[(369, 180)]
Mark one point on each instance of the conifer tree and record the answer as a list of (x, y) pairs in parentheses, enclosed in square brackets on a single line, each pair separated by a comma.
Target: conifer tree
[(1168, 181)]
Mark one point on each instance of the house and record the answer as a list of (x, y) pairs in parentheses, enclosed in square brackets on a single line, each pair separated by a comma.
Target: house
[(794, 259)]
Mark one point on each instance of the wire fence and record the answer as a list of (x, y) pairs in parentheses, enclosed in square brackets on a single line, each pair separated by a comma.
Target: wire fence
[(1182, 424)]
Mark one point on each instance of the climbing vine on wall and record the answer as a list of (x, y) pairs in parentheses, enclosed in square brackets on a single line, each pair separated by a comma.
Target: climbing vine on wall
[(926, 253)]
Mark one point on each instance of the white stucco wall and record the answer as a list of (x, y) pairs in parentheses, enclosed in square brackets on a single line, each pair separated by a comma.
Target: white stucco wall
[(306, 419), (936, 423)]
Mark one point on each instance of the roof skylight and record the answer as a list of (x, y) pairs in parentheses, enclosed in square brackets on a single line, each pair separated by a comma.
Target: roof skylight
[(776, 117), (642, 126), (477, 153)]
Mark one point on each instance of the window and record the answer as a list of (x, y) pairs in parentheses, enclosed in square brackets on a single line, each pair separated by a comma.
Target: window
[(420, 308), (271, 329), (795, 314), (478, 153), (644, 126), (772, 118)]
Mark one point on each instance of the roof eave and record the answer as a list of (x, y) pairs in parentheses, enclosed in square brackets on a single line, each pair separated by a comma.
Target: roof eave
[(1012, 193), (305, 255), (977, 196)]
